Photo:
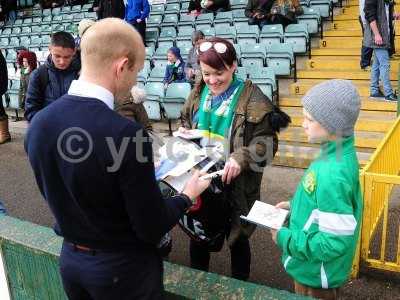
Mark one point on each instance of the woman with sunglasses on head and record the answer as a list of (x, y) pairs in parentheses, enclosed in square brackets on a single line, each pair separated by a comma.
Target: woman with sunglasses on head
[(236, 115)]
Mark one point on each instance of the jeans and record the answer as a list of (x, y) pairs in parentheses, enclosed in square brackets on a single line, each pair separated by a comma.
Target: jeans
[(240, 258), (12, 15), (381, 70)]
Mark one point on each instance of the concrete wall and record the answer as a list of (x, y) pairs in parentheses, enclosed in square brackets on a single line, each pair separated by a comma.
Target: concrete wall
[(30, 256)]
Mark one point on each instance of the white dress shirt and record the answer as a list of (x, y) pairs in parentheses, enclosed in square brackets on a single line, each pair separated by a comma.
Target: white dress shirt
[(82, 88)]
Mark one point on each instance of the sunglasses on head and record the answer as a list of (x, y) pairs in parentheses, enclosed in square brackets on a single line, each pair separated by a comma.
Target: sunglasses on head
[(219, 47)]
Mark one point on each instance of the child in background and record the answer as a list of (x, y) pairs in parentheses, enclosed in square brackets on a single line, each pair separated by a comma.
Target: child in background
[(319, 243), (175, 71)]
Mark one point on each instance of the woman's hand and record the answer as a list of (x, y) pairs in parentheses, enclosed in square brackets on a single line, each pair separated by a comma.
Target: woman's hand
[(283, 205), (231, 171), (183, 130)]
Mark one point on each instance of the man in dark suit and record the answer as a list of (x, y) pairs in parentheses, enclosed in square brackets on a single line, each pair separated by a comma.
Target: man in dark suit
[(95, 169)]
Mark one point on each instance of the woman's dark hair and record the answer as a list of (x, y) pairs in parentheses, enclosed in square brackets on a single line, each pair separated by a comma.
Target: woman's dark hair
[(30, 56), (218, 61)]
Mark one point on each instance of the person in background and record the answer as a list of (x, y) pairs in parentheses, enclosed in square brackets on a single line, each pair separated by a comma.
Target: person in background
[(133, 108), (52, 79), (175, 70), (377, 35), (208, 6), (3, 211), (111, 9), (258, 12), (4, 132), (192, 66), (319, 244), (136, 13), (27, 62), (284, 12)]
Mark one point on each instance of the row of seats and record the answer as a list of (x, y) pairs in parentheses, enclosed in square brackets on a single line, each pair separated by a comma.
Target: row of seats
[(51, 20), (17, 31)]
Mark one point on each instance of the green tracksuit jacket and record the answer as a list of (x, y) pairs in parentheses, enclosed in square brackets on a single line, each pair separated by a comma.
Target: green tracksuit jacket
[(319, 244)]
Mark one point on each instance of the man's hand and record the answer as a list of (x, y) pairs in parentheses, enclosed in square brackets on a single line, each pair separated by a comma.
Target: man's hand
[(138, 20), (231, 171), (396, 16), (209, 3), (378, 39), (274, 234), (195, 186), (283, 205)]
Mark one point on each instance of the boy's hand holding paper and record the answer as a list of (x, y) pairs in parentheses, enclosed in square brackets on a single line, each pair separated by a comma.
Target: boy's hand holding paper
[(266, 215)]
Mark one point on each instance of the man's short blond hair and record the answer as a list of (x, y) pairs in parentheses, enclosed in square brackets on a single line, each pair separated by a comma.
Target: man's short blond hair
[(108, 40)]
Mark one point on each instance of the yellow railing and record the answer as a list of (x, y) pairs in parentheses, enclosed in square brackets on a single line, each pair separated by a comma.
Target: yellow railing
[(378, 179)]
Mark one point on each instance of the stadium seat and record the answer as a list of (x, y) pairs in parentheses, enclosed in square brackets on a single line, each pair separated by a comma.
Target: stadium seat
[(225, 31), (184, 33), (224, 17), (27, 30), (36, 41), (312, 19), (254, 52), (157, 9), (66, 9), (173, 8), (265, 79), (271, 34), (281, 59), (205, 19), (46, 12), (154, 21), (325, 7), (170, 20), (86, 7), (76, 8), (185, 47), (297, 35), (156, 74), (184, 8), (246, 34), (56, 11), (45, 28), (154, 91), (175, 96), (239, 16), (57, 27), (91, 15), (238, 4), (16, 31), (241, 73), (149, 52), (77, 17), (151, 36), (186, 20), (47, 19)]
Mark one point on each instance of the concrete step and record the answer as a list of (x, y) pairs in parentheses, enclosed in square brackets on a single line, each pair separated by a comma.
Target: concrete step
[(302, 86), (350, 42), (342, 64), (368, 140), (335, 52), (371, 121), (352, 25), (347, 16), (333, 33), (366, 104), (332, 74), (300, 156)]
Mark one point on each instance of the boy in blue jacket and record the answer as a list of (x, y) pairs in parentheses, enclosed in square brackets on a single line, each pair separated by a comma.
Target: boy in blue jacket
[(319, 243), (175, 70)]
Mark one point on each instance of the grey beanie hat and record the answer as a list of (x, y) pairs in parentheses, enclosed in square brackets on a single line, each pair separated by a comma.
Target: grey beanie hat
[(335, 104)]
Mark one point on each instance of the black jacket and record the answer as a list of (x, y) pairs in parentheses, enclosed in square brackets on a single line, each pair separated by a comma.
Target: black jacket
[(111, 8), (3, 75)]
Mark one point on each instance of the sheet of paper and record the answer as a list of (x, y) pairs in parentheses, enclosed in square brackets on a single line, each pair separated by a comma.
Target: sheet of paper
[(184, 154), (189, 134), (179, 182), (266, 215)]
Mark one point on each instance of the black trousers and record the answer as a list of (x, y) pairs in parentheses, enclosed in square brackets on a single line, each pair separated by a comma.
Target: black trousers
[(240, 258), (141, 28), (2, 111), (366, 52), (98, 275)]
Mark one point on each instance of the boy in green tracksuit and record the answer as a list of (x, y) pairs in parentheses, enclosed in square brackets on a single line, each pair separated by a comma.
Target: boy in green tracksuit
[(319, 243)]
